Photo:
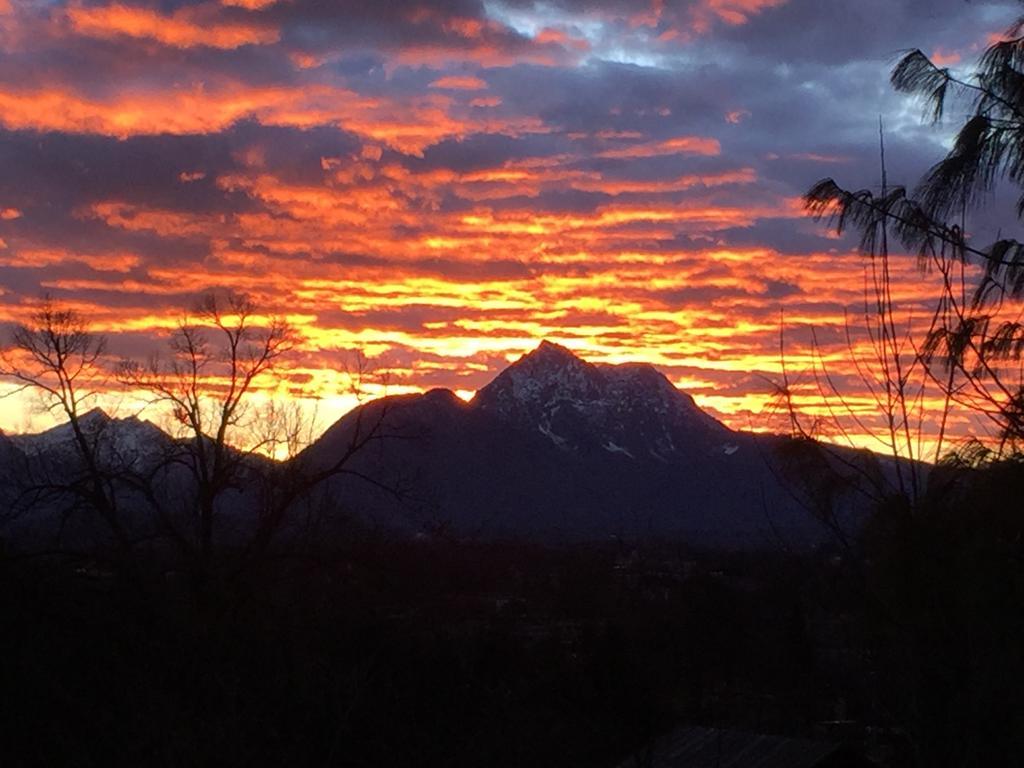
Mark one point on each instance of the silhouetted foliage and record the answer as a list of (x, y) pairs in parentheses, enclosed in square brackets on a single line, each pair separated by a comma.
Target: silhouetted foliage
[(973, 348), (944, 566)]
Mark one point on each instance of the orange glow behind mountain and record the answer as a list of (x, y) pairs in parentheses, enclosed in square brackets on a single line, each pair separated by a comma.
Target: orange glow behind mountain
[(426, 193)]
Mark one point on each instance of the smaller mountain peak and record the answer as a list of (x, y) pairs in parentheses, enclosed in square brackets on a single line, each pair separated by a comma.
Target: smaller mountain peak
[(548, 359), (95, 414), (92, 421), (548, 374), (551, 346), (549, 350), (442, 396)]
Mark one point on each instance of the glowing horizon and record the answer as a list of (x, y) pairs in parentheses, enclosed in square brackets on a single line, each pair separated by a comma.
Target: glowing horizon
[(439, 186)]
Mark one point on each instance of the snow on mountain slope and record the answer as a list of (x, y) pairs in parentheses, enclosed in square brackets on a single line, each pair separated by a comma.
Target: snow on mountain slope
[(629, 409), (129, 442), (562, 449)]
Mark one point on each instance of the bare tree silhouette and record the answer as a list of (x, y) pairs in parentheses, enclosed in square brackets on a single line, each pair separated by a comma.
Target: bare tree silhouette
[(56, 355), (217, 358)]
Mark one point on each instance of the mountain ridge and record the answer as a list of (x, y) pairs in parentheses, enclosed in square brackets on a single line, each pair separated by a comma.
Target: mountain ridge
[(633, 405), (559, 448), (553, 448)]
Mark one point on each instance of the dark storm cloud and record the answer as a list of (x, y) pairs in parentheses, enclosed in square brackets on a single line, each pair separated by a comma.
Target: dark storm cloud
[(833, 34), (781, 235), (67, 171)]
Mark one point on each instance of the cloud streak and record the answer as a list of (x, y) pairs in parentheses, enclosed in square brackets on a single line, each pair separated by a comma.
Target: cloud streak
[(442, 185)]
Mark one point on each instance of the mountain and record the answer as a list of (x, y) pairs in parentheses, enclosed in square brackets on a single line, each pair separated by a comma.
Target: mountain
[(11, 466), (554, 449), (561, 449), (629, 409), (122, 443), (43, 478)]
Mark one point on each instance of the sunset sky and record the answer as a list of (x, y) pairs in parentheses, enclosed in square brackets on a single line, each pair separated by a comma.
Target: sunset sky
[(443, 185)]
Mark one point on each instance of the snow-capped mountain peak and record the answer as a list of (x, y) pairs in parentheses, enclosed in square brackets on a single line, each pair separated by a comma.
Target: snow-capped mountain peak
[(579, 405), (126, 440), (547, 375)]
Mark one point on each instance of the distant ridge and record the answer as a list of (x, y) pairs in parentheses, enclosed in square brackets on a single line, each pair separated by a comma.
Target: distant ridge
[(131, 438)]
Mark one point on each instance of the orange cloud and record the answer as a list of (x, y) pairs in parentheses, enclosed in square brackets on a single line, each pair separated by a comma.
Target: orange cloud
[(619, 135), (649, 17), (680, 145), (251, 5), (468, 27), (185, 28), (460, 83), (705, 316), (198, 110), (408, 125), (486, 101), (701, 17), (733, 12), (819, 157), (29, 258), (678, 184), (943, 58), (305, 60), (482, 41), (480, 52), (549, 35)]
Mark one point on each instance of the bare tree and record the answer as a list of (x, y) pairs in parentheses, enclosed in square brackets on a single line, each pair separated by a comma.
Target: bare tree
[(56, 355), (218, 357), (221, 362)]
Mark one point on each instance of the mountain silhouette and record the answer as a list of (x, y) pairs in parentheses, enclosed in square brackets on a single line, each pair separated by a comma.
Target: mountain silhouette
[(560, 449), (553, 449)]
